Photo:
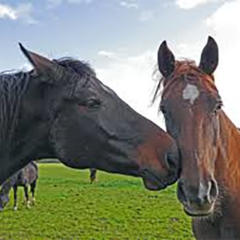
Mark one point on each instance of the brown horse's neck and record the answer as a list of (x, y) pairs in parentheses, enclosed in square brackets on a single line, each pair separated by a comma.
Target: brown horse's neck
[(224, 224), (227, 169)]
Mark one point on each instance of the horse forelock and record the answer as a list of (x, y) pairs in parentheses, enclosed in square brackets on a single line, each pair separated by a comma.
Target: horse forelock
[(187, 71)]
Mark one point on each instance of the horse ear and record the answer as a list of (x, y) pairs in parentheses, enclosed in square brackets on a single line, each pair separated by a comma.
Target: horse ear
[(166, 60), (209, 57), (41, 64)]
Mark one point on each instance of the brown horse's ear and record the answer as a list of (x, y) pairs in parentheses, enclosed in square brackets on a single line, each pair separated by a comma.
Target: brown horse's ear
[(42, 65), (166, 60), (209, 57)]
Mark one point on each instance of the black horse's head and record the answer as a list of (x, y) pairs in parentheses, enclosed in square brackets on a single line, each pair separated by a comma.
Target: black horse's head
[(4, 192), (4, 199), (67, 113)]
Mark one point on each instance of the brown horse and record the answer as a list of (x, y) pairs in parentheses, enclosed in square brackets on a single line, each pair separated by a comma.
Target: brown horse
[(208, 142)]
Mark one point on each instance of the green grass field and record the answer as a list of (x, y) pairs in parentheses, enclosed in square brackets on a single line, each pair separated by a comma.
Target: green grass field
[(116, 207)]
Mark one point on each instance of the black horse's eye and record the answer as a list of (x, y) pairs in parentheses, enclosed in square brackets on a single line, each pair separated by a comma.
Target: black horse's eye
[(163, 109), (92, 103)]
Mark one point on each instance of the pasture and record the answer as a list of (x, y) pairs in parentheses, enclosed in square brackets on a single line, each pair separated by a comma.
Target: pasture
[(116, 207)]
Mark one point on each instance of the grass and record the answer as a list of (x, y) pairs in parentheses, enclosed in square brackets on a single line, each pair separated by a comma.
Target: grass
[(116, 207)]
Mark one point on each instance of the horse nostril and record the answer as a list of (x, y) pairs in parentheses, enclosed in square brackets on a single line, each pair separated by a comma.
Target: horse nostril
[(213, 190), (171, 162)]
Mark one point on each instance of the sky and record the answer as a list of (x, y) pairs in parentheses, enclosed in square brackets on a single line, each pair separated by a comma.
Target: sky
[(120, 38)]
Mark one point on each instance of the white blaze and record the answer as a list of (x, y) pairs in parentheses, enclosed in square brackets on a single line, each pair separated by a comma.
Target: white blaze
[(201, 190), (202, 193), (190, 93)]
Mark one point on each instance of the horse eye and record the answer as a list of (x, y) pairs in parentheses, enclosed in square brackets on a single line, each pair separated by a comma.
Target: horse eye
[(92, 103), (163, 109), (218, 107)]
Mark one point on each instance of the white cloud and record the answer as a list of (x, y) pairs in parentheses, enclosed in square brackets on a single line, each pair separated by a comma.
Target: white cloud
[(131, 78), (108, 54), (225, 19), (224, 25), (146, 15), (143, 14), (24, 13), (129, 4), (26, 67), (7, 12), (54, 3), (189, 4), (190, 51), (21, 12), (79, 1)]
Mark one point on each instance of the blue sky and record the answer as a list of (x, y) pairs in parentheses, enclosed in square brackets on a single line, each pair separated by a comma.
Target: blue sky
[(120, 37), (83, 28)]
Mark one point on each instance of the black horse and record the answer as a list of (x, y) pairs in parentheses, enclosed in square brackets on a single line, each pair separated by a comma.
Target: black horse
[(26, 177), (61, 110), (93, 173)]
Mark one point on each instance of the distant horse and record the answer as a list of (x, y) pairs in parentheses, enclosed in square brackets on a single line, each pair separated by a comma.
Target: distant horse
[(25, 177), (209, 184), (61, 110), (93, 172)]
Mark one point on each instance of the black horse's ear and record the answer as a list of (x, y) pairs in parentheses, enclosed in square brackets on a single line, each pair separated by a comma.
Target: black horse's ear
[(40, 63), (209, 57), (43, 66), (166, 60)]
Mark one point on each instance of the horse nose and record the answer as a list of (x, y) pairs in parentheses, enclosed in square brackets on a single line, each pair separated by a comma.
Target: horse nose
[(172, 159), (198, 199), (207, 193), (172, 164)]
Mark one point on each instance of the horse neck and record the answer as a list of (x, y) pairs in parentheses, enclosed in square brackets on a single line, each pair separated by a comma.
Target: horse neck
[(25, 148), (227, 169), (7, 185), (20, 138)]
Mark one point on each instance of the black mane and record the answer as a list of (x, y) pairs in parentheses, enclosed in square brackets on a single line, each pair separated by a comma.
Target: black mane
[(80, 67), (12, 88), (13, 85)]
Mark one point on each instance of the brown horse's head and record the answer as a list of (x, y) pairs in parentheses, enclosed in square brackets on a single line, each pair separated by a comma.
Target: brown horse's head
[(191, 104)]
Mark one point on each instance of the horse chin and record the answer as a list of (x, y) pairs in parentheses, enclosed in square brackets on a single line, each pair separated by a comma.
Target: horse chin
[(200, 212), (152, 182)]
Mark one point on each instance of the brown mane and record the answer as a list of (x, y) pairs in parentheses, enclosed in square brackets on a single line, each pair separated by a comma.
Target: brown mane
[(232, 163)]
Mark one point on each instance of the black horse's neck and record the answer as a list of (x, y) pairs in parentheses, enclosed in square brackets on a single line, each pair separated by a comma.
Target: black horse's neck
[(19, 141)]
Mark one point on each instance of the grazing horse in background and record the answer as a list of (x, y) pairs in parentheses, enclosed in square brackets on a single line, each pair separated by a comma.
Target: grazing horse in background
[(25, 177), (61, 110), (208, 141), (93, 172)]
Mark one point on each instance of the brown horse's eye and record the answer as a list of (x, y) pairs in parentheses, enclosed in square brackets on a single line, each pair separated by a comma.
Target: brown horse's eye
[(218, 107)]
